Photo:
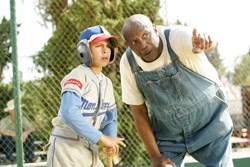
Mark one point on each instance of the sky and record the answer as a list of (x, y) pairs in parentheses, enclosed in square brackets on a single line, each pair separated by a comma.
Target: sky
[(224, 19), (31, 38)]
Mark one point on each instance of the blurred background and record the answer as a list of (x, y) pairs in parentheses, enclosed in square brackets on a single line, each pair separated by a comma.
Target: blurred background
[(47, 35)]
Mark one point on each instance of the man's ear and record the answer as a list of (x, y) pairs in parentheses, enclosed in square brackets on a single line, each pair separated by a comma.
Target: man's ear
[(154, 26)]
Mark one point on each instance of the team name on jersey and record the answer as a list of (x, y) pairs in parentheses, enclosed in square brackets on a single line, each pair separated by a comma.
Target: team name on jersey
[(87, 105)]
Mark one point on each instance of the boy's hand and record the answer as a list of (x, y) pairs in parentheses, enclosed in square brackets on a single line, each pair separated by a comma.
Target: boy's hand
[(111, 144), (109, 151)]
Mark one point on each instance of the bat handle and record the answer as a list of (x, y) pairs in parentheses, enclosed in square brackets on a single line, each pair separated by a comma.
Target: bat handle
[(110, 161)]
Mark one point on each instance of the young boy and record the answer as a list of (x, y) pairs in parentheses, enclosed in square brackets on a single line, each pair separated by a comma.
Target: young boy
[(88, 113)]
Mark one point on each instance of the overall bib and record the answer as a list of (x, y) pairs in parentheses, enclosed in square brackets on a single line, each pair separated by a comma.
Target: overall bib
[(188, 112)]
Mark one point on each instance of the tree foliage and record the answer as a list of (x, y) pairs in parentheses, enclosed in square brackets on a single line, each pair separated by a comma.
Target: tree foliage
[(75, 17), (241, 75), (6, 94), (216, 61), (5, 55)]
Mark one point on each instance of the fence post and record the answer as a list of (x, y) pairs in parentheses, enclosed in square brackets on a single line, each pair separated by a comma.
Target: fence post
[(16, 84)]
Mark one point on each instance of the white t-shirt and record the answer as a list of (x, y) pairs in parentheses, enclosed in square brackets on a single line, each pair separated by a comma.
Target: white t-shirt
[(181, 42)]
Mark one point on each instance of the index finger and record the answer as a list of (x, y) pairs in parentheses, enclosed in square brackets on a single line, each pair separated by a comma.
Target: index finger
[(194, 32), (121, 143)]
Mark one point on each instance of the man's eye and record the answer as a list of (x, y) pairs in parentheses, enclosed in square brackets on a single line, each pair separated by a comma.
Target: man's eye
[(134, 43), (145, 36)]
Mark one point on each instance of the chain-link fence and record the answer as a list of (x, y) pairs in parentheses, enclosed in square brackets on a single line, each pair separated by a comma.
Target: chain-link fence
[(40, 97)]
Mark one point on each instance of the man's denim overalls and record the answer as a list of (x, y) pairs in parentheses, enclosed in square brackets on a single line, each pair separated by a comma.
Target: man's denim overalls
[(188, 112)]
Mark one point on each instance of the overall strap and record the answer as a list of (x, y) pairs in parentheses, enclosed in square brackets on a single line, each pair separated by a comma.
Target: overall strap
[(172, 54), (133, 65)]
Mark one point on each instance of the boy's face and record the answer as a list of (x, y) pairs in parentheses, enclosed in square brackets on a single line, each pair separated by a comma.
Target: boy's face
[(101, 52)]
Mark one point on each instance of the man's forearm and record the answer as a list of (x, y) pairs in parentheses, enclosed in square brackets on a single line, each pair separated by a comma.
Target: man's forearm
[(30, 130), (7, 132), (144, 129), (147, 137)]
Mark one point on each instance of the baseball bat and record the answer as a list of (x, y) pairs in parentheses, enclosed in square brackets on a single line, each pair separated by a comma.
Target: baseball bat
[(110, 161)]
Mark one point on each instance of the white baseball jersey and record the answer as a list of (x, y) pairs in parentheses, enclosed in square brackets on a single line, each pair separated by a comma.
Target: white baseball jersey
[(96, 92)]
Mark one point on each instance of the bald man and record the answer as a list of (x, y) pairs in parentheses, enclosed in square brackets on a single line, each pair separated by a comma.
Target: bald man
[(175, 95)]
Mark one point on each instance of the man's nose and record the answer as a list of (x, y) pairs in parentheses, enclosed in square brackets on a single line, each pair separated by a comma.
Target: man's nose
[(143, 44)]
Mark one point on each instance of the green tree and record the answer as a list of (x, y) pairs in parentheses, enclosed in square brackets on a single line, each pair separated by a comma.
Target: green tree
[(216, 61), (5, 55), (6, 95), (5, 58), (241, 74), (59, 56), (40, 102)]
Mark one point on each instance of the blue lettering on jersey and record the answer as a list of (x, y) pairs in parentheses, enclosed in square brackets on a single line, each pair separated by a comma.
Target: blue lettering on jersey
[(104, 105), (87, 105)]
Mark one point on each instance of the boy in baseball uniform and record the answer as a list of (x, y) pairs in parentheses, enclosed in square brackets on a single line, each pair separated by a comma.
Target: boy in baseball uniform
[(88, 113)]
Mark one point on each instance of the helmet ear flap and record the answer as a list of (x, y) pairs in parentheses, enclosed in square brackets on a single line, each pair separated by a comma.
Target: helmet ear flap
[(112, 55), (84, 52)]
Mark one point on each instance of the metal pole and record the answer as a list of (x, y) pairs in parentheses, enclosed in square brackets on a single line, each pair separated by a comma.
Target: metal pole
[(16, 84)]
